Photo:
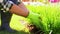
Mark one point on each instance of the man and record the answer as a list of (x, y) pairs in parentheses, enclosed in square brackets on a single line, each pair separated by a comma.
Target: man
[(6, 17), (13, 6)]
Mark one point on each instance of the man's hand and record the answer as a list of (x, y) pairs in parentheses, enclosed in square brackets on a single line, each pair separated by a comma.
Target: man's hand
[(35, 18)]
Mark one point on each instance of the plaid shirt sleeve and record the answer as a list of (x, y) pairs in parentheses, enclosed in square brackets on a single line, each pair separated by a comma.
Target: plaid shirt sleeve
[(19, 1), (7, 6)]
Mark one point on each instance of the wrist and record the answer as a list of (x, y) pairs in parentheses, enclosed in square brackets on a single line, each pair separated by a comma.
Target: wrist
[(31, 14)]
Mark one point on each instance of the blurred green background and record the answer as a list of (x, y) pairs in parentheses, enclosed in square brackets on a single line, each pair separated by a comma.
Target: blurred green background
[(50, 15)]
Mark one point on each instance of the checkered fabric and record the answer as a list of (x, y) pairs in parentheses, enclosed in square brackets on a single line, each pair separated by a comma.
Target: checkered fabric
[(19, 1), (6, 6)]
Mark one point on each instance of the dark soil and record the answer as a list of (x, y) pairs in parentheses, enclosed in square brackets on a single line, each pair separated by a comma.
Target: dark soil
[(34, 30)]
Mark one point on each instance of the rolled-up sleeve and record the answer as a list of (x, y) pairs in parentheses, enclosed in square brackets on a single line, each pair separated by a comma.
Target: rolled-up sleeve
[(7, 6), (19, 1)]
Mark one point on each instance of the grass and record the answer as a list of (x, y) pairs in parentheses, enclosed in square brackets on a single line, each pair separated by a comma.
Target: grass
[(50, 16)]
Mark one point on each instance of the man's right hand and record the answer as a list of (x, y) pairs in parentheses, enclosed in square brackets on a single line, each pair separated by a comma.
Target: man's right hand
[(35, 18)]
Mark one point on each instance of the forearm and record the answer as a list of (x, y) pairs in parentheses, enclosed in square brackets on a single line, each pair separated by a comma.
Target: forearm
[(13, 8), (21, 5), (19, 11)]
